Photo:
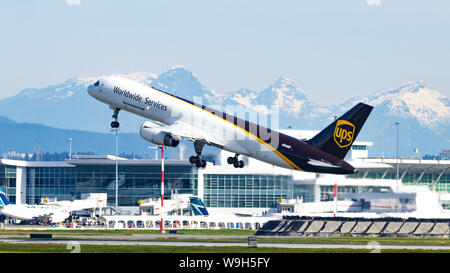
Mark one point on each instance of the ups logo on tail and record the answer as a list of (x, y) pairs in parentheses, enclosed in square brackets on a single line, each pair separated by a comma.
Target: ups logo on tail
[(343, 133)]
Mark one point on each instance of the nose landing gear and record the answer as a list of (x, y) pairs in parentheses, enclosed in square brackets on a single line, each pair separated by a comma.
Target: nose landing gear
[(115, 123), (235, 161)]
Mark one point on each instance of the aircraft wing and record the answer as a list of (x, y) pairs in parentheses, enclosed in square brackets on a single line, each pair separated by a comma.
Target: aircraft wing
[(55, 217), (75, 205), (60, 216), (188, 132)]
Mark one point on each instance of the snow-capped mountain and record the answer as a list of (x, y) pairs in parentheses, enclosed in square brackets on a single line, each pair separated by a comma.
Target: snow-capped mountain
[(182, 82), (285, 94), (423, 113), (413, 100), (68, 106)]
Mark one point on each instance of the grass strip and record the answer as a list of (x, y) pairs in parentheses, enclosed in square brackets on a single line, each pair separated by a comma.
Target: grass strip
[(61, 248)]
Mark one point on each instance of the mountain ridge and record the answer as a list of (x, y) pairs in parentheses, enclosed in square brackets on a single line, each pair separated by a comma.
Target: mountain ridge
[(420, 110)]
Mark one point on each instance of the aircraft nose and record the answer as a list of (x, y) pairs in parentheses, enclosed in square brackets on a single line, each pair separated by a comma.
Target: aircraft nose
[(90, 90)]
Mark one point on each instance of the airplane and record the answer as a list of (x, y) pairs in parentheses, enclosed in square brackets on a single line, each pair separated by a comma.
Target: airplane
[(56, 212), (199, 209), (174, 118)]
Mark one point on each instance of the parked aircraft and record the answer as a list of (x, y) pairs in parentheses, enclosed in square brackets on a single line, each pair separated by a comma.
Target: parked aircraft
[(55, 212)]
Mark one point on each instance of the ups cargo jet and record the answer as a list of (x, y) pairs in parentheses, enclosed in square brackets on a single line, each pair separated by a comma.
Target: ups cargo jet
[(175, 118)]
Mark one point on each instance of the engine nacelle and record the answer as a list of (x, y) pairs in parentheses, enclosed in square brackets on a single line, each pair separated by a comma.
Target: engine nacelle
[(151, 132)]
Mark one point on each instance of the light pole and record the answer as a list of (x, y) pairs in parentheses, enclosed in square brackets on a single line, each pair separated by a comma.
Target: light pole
[(335, 185), (161, 226), (70, 147), (397, 123), (116, 131)]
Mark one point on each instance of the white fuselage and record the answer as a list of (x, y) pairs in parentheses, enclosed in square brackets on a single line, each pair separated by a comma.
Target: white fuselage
[(29, 212), (57, 212), (167, 109)]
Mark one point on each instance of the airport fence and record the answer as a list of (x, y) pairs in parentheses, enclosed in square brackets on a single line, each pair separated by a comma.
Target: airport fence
[(346, 226)]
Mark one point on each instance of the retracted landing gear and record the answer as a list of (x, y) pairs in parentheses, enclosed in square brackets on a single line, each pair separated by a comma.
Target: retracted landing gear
[(197, 160), (235, 161), (115, 123)]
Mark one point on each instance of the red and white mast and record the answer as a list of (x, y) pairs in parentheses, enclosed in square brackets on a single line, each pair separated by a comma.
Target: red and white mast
[(162, 189)]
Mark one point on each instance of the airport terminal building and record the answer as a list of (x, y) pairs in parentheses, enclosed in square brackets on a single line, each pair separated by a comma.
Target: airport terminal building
[(30, 181), (256, 186)]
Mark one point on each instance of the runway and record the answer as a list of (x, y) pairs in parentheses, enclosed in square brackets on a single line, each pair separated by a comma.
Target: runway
[(374, 246)]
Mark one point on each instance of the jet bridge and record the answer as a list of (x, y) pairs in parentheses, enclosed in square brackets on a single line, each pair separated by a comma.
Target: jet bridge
[(94, 203)]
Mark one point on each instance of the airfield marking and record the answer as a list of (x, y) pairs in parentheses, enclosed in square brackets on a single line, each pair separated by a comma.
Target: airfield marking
[(221, 244)]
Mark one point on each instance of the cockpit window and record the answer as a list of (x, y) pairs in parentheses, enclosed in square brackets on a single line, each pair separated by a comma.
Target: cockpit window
[(96, 83)]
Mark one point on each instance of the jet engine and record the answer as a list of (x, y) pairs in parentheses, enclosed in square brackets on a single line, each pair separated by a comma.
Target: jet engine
[(153, 133)]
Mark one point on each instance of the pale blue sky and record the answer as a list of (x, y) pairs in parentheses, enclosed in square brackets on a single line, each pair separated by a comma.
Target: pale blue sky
[(333, 50)]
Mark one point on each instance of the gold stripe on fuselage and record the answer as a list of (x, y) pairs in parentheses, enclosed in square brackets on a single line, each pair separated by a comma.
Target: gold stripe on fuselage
[(287, 160)]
